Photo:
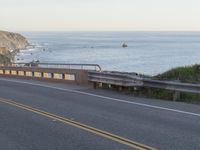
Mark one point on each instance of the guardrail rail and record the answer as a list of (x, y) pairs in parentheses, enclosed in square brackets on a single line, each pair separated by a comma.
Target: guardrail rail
[(128, 80), (115, 79), (95, 67), (82, 73)]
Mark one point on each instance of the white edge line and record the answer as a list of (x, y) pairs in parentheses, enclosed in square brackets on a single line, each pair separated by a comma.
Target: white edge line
[(105, 97)]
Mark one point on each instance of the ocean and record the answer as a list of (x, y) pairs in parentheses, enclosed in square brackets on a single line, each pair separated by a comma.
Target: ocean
[(148, 53)]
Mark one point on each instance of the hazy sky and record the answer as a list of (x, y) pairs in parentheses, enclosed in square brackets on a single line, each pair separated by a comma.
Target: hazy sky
[(59, 15)]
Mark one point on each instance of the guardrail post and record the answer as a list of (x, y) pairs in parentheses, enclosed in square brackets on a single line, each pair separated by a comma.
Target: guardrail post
[(120, 88), (100, 85), (95, 85), (176, 95)]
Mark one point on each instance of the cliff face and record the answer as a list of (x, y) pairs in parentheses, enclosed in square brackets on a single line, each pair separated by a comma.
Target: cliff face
[(12, 41), (4, 60)]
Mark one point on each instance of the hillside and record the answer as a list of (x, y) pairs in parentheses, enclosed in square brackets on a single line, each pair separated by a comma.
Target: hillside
[(12, 41), (187, 74), (190, 74), (5, 60)]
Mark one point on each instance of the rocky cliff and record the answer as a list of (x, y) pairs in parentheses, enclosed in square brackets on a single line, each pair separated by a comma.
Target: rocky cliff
[(12, 41), (4, 60)]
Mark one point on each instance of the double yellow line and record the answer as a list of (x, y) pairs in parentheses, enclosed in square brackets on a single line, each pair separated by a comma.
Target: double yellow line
[(79, 125)]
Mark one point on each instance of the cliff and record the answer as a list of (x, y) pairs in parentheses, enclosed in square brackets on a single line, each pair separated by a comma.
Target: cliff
[(12, 41), (4, 60)]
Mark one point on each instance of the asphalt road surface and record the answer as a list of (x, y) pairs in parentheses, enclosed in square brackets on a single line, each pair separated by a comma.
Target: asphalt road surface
[(47, 116)]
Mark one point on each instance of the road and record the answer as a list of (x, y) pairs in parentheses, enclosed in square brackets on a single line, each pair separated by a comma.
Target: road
[(48, 116)]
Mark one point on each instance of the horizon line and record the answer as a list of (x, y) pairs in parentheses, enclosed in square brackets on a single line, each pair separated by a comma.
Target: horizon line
[(99, 30)]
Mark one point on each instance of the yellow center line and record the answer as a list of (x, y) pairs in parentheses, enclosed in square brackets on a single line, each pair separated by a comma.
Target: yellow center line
[(79, 125)]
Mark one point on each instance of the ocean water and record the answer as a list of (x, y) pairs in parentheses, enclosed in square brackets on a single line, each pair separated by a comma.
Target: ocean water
[(147, 52)]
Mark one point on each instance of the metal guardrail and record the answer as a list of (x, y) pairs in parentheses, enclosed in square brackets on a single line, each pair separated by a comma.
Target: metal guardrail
[(128, 80), (114, 79), (173, 86), (95, 67)]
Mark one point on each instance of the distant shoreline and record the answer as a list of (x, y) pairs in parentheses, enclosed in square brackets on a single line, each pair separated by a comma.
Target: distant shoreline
[(10, 45)]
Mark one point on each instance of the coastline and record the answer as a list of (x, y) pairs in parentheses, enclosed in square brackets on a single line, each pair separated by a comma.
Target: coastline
[(10, 44), (148, 53)]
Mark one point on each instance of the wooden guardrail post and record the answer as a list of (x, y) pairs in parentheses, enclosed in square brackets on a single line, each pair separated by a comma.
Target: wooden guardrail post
[(176, 95), (94, 85), (97, 85), (120, 88)]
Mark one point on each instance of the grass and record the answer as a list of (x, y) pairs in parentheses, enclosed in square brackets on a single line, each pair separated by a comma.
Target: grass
[(187, 74)]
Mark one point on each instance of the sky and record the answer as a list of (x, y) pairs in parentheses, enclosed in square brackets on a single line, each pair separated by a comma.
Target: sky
[(100, 15)]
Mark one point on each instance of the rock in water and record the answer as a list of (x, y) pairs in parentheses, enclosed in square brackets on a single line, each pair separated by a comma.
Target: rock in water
[(124, 45)]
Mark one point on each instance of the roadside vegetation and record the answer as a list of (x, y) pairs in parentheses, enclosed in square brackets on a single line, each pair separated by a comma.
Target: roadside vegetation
[(187, 74), (5, 59), (8, 57)]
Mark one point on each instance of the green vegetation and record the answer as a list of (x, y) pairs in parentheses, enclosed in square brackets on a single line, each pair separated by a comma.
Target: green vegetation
[(187, 74), (5, 60), (8, 57)]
